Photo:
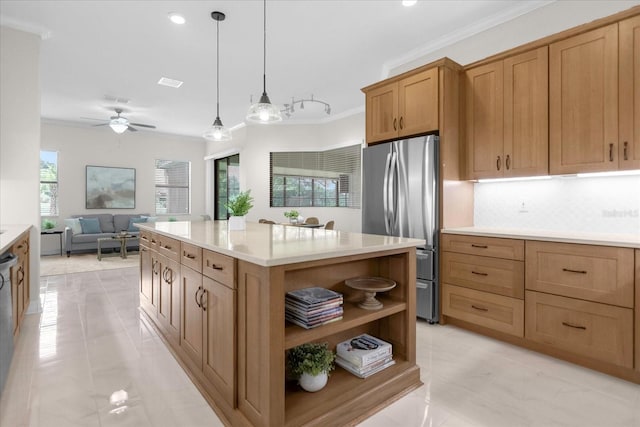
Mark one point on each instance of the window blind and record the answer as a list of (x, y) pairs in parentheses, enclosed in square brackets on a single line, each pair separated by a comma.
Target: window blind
[(48, 183), (172, 179)]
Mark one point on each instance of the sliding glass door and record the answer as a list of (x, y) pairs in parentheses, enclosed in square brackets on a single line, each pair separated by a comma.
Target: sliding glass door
[(227, 185)]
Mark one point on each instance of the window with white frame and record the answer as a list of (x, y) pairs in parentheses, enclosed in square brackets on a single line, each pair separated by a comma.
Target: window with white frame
[(48, 183), (173, 179)]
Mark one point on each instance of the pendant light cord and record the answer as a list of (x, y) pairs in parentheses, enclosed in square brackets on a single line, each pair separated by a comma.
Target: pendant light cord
[(264, 48), (217, 68)]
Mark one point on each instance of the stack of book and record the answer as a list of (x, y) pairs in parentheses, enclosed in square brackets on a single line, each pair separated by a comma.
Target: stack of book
[(364, 355), (313, 307)]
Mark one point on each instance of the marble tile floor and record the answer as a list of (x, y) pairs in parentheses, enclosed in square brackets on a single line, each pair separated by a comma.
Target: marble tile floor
[(88, 360)]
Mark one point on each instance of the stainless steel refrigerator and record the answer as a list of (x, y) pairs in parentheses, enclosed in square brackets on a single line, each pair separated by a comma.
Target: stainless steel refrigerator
[(400, 198)]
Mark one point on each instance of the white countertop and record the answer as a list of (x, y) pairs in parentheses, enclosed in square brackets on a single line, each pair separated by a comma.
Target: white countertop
[(269, 245), (604, 239), (10, 234)]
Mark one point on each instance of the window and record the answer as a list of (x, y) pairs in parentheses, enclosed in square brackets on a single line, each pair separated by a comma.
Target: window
[(320, 178), (48, 183), (227, 171), (173, 179)]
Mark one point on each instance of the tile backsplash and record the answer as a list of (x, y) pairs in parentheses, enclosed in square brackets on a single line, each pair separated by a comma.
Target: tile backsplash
[(601, 205)]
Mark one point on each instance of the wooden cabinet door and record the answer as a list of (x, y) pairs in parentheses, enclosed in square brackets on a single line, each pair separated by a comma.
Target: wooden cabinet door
[(418, 103), (637, 312), (191, 323), (526, 114), (169, 298), (484, 121), (382, 113), (629, 148), (146, 280), (583, 99), (220, 339)]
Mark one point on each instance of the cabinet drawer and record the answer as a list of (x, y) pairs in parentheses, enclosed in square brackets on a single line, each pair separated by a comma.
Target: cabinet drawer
[(220, 268), (485, 246), (497, 312), (191, 256), (596, 273), (599, 331), (145, 239), (498, 276), (168, 247)]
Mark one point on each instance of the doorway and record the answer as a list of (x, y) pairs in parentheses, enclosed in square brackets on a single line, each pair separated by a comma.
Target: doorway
[(227, 183)]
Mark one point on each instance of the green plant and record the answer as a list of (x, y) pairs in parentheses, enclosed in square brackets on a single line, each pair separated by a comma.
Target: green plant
[(292, 214), (310, 358), (172, 219), (48, 224), (240, 204)]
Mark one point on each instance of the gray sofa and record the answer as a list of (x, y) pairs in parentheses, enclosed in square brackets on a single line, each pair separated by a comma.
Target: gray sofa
[(110, 225)]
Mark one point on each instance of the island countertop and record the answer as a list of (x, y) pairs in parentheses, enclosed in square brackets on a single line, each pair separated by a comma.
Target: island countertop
[(269, 244), (10, 234)]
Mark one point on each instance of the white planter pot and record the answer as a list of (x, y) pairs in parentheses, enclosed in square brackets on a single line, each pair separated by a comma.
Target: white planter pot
[(237, 223), (313, 383)]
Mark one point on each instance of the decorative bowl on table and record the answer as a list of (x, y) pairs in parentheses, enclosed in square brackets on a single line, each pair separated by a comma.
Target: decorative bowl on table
[(370, 286)]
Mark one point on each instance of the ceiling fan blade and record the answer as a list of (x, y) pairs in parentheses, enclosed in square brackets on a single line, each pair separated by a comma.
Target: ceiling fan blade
[(92, 118), (132, 129), (142, 125), (101, 124)]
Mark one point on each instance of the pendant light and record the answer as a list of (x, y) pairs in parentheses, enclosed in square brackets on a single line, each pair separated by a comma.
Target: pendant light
[(264, 111), (217, 132)]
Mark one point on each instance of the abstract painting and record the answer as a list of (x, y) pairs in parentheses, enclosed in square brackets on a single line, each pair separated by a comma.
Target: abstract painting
[(111, 188)]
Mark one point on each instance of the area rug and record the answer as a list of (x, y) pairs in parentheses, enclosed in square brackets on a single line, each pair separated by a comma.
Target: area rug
[(52, 265)]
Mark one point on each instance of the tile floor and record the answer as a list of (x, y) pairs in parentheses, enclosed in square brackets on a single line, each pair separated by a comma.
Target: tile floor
[(89, 343)]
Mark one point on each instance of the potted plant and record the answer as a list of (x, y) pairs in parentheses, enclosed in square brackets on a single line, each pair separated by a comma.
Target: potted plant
[(311, 363), (292, 215), (238, 206), (48, 224)]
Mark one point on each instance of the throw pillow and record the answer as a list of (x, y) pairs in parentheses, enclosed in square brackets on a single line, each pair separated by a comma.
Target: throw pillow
[(149, 218), (134, 221), (74, 225), (90, 225)]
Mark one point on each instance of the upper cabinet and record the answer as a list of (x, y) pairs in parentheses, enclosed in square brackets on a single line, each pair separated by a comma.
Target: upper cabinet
[(402, 107), (629, 113), (507, 116), (583, 81)]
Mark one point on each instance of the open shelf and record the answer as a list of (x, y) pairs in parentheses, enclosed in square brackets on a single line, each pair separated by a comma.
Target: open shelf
[(352, 317), (345, 389)]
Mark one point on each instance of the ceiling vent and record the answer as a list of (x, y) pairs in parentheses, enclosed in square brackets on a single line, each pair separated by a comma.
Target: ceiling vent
[(116, 99), (165, 81)]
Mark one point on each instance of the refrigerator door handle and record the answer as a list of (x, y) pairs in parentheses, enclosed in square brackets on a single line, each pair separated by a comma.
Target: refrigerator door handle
[(429, 194), (393, 196), (385, 194)]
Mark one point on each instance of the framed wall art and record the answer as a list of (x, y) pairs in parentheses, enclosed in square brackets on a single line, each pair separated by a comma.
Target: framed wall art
[(111, 188)]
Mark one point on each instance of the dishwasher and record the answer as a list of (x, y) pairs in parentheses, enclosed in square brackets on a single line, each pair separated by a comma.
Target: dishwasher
[(7, 260)]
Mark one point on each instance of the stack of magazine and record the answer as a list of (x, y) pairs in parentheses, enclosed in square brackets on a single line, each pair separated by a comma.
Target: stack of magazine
[(364, 355), (312, 307)]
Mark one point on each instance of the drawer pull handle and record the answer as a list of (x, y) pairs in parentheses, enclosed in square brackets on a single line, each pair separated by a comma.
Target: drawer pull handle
[(479, 308), (196, 296), (479, 274), (395, 124), (611, 152), (584, 328), (626, 145), (568, 270), (167, 247), (479, 246), (217, 267), (190, 256)]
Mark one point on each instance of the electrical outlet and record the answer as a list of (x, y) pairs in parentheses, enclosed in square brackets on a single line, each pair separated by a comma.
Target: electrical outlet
[(523, 208)]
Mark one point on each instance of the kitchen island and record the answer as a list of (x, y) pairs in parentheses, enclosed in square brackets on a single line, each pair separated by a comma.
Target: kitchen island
[(217, 298)]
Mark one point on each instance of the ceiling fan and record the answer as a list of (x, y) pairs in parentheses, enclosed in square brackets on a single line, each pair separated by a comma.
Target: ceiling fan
[(120, 124)]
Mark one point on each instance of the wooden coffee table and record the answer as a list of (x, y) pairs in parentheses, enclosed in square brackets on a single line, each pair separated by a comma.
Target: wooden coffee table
[(123, 244)]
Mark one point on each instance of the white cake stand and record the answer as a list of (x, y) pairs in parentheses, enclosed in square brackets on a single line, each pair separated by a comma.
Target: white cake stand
[(370, 286)]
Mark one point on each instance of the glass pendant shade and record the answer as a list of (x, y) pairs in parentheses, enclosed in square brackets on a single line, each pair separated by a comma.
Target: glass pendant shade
[(264, 111), (217, 132), (119, 125)]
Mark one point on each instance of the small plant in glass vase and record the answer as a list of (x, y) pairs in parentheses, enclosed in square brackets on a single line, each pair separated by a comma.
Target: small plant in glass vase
[(238, 206), (292, 215), (311, 363), (48, 224)]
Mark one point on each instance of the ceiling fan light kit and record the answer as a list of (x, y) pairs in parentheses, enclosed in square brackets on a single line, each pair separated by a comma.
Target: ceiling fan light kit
[(264, 111), (217, 132), (119, 124)]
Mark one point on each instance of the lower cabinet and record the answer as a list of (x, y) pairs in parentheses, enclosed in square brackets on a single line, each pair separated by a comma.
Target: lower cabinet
[(598, 331), (147, 266), (580, 302), (207, 335), (168, 300), (20, 292)]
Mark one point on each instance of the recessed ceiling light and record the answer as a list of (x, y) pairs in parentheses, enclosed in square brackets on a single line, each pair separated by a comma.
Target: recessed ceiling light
[(408, 3), (177, 18), (165, 81)]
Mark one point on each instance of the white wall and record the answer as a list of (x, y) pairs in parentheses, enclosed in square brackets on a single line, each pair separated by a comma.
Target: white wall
[(20, 141), (599, 205), (255, 142), (79, 146), (545, 21)]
